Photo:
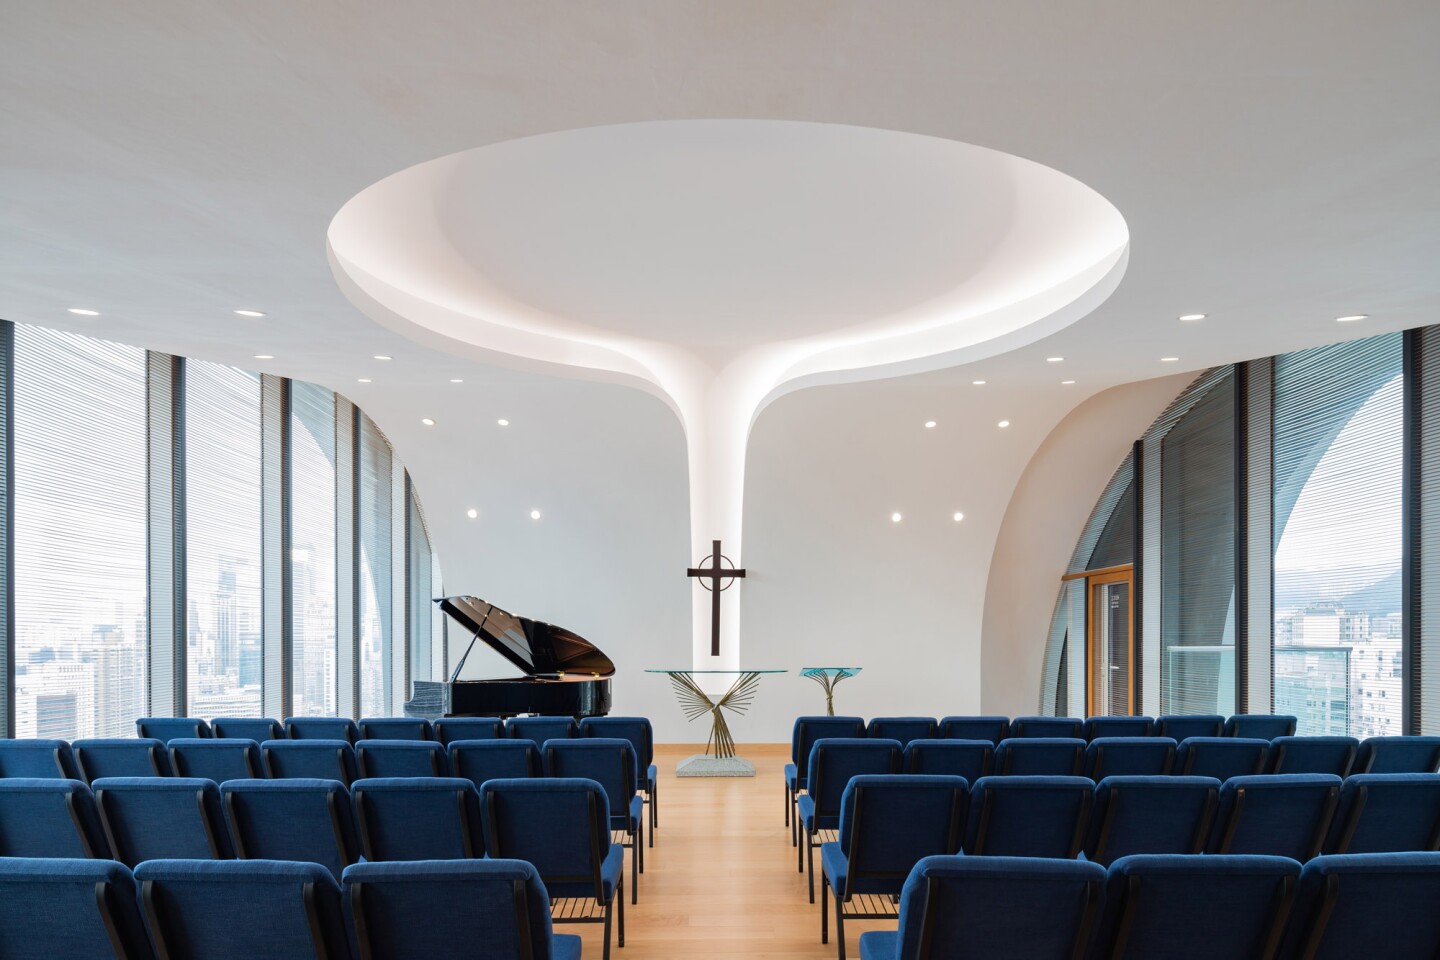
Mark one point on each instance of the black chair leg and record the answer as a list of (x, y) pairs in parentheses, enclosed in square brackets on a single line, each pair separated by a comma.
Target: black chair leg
[(620, 895), (799, 850), (825, 908), (787, 803), (639, 836), (608, 907), (634, 868), (840, 925), (810, 862)]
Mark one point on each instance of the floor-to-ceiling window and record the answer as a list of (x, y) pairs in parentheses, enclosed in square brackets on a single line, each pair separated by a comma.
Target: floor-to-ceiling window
[(312, 549), (376, 585), (80, 535)]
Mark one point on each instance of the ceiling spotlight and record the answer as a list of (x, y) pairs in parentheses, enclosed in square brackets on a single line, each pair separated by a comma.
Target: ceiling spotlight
[(1054, 359), (958, 516), (1192, 317), (381, 356), (1003, 424), (929, 424), (503, 422), (263, 356), (365, 380), (978, 383), (534, 514), (456, 380), (472, 513), (1169, 359), (895, 518), (1350, 319), (1066, 383), (82, 312), (249, 313), (427, 421)]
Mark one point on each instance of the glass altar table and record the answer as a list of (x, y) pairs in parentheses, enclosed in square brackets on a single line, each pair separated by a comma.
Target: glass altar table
[(695, 703), (828, 677)]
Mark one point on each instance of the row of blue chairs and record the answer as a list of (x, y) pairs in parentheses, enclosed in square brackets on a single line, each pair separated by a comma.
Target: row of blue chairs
[(996, 728), (1167, 908), (243, 910)]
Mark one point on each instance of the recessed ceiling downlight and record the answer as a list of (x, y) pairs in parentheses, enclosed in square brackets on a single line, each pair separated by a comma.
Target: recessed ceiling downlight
[(1349, 319), (1169, 359), (472, 513), (895, 517), (1191, 317), (503, 422), (427, 421), (958, 516), (1054, 359), (1003, 424), (381, 356), (978, 383), (534, 514), (249, 313), (929, 424), (264, 356), (1066, 383), (83, 312)]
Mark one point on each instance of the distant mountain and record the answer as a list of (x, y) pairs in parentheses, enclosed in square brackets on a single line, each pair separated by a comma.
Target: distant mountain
[(1378, 598)]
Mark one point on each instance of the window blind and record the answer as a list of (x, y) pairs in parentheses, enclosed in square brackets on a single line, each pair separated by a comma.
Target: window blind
[(312, 549), (376, 583)]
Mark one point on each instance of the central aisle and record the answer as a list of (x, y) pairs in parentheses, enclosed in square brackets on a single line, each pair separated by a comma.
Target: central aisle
[(720, 881)]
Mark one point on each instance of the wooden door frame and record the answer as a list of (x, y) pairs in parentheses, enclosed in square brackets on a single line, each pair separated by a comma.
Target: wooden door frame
[(1124, 573)]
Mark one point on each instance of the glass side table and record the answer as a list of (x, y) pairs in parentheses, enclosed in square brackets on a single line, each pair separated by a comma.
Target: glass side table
[(828, 677), (695, 703)]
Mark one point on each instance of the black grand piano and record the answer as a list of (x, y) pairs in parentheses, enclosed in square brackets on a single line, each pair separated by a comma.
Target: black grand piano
[(565, 675)]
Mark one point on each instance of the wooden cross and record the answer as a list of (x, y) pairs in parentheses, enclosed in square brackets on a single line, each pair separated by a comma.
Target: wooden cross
[(710, 579)]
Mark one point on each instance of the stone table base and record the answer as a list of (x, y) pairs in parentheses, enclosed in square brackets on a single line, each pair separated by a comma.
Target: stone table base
[(702, 765)]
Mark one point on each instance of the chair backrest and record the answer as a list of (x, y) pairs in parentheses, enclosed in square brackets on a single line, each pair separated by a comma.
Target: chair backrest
[(1028, 816), (162, 818), (1047, 727), (1197, 908), (1040, 757), (395, 728), (242, 910), (890, 822), (1154, 814), (993, 729), (169, 728), (1313, 755), (401, 758), (540, 729), (1398, 755), (1373, 904), (1183, 726), (971, 759), (321, 728), (1387, 813), (37, 760), (258, 729), (217, 760), (635, 729), (833, 761), (432, 818), (1260, 726), (120, 757), (559, 825), (70, 909), (50, 818), (443, 910), (903, 729), (305, 820), (1280, 815), (950, 907), (450, 729), (1221, 757), (310, 760), (809, 729), (1129, 757), (609, 761), (1121, 726), (481, 760)]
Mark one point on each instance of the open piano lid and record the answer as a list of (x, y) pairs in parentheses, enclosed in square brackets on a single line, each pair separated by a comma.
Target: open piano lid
[(539, 649)]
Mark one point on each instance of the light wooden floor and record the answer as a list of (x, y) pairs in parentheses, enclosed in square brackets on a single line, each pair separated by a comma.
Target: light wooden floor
[(720, 881)]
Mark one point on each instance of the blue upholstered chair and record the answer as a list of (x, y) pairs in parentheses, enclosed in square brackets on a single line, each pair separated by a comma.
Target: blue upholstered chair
[(993, 729), (242, 910), (610, 762), (1260, 726), (1129, 757), (69, 910), (395, 728), (166, 729), (1047, 727), (1221, 757), (802, 737), (321, 728), (1279, 815), (540, 729), (1121, 726), (1155, 814), (304, 820), (38, 760), (562, 828), (1398, 755), (50, 818), (481, 760), (162, 818), (258, 729), (217, 760), (1387, 813), (428, 818), (888, 823), (903, 729), (1366, 905), (1183, 726), (121, 757), (1196, 908), (971, 759), (642, 737), (993, 907), (833, 761), (450, 729), (310, 760), (1028, 816), (401, 758), (454, 910), (1313, 755), (1040, 757)]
